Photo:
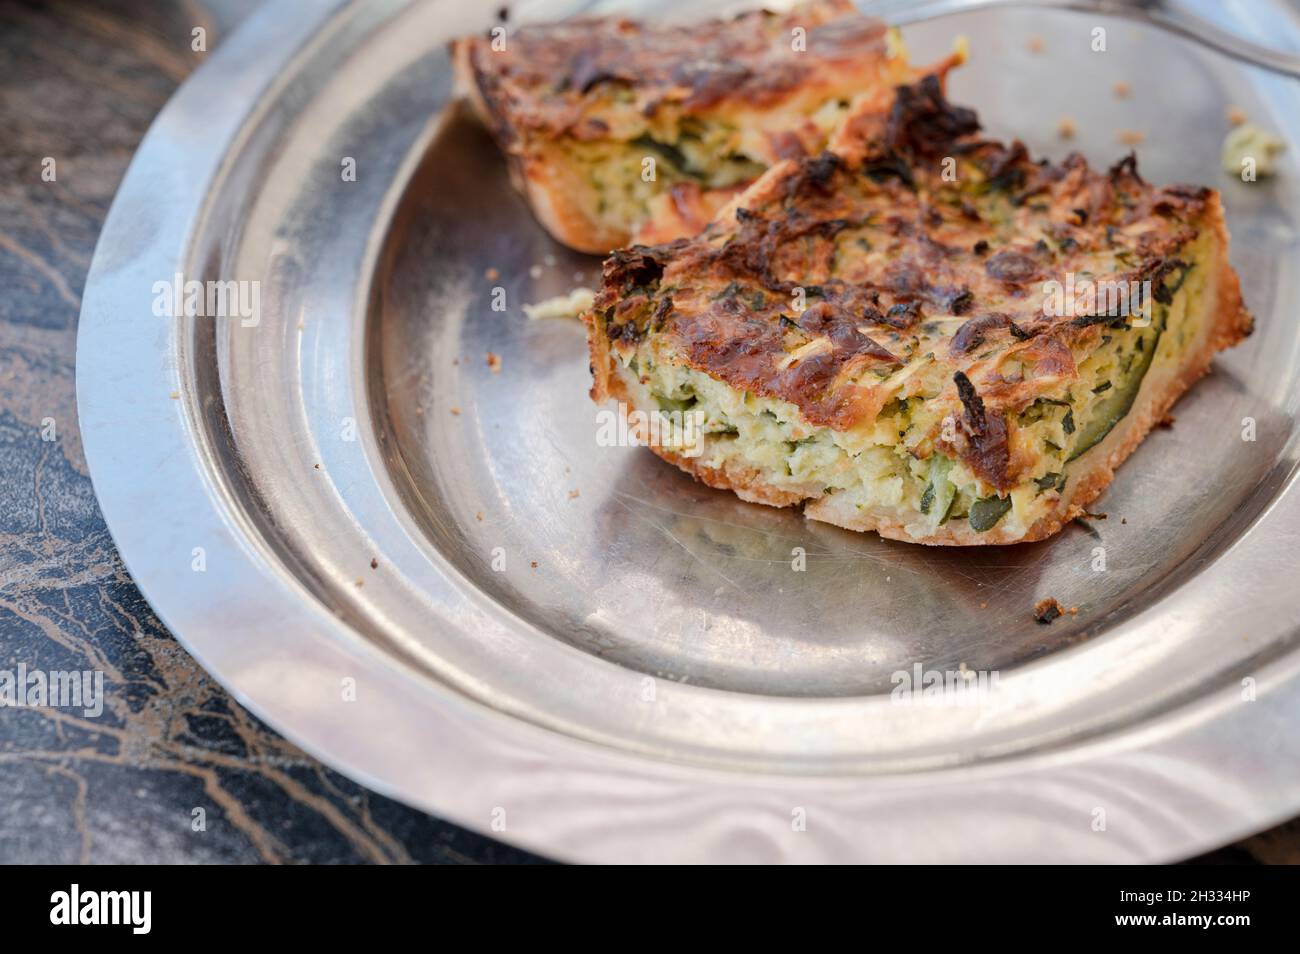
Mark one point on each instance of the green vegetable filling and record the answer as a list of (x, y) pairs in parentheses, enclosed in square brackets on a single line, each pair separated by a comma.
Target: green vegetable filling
[(987, 511)]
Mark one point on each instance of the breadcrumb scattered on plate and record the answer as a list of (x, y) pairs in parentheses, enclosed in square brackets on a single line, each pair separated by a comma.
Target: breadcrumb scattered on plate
[(1035, 44), (1131, 137), (1249, 141), (570, 306), (1066, 128), (1236, 115), (1046, 610), (494, 362), (1122, 89)]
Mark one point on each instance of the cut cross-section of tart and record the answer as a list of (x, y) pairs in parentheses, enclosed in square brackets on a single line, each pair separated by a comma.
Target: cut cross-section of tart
[(618, 130), (925, 334)]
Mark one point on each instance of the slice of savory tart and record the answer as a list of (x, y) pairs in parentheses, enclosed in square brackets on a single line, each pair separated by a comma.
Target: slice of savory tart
[(617, 130), (923, 333)]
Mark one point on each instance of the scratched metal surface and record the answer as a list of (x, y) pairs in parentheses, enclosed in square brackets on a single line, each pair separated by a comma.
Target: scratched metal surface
[(192, 737), (80, 82)]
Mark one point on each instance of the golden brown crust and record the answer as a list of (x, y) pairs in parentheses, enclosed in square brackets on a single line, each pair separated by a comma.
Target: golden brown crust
[(746, 482), (553, 186), (541, 173)]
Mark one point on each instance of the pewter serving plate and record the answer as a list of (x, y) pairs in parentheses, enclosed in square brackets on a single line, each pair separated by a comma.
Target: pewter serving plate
[(578, 649)]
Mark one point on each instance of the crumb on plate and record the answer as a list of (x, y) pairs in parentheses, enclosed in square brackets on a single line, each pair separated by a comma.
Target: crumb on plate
[(1048, 609), (570, 306), (1250, 141)]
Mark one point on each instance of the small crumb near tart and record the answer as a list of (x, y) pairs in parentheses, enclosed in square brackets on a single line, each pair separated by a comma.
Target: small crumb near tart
[(570, 306), (1249, 143), (1048, 609)]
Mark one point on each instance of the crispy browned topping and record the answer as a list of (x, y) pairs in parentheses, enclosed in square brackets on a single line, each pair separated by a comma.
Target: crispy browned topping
[(877, 254), (986, 435), (557, 77)]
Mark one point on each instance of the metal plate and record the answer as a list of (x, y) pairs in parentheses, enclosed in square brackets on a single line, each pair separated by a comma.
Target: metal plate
[(649, 677)]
